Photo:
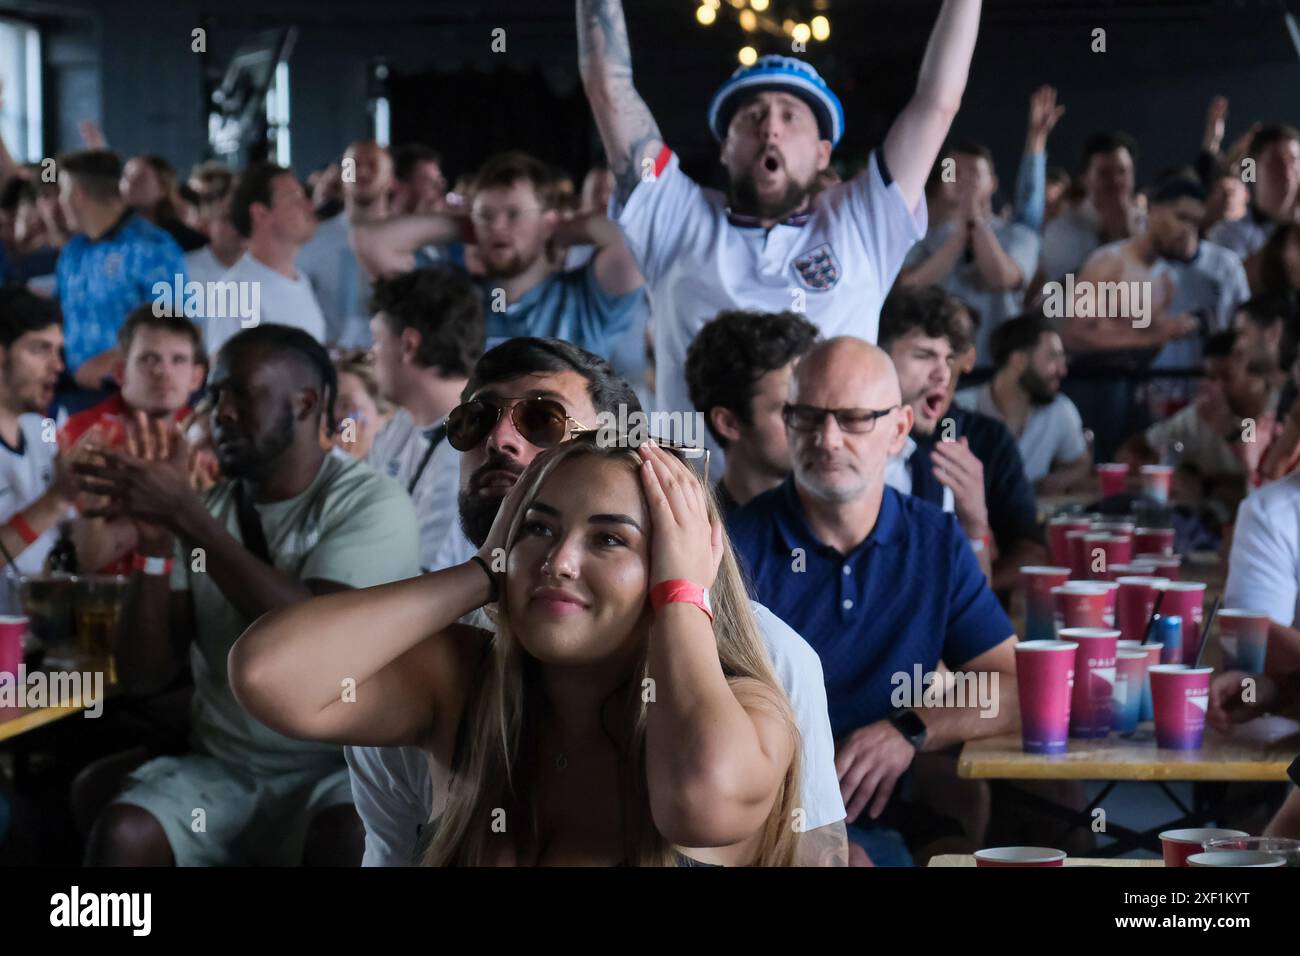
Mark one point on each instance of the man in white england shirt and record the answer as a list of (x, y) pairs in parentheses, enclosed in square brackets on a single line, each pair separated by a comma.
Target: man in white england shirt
[(774, 243)]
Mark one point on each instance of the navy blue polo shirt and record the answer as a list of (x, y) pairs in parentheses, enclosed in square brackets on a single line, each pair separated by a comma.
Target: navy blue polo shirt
[(1008, 495), (911, 593)]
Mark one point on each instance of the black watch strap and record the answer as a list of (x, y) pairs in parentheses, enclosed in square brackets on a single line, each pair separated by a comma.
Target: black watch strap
[(909, 723)]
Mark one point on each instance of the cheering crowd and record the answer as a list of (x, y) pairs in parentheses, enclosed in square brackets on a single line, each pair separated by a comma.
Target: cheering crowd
[(421, 609)]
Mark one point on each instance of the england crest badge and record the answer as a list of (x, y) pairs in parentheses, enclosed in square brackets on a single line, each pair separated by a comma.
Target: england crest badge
[(818, 270)]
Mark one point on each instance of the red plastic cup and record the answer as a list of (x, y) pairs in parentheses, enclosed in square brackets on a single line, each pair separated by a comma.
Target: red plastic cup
[(1113, 477), (1136, 600), (1045, 679), (1187, 600), (1020, 856), (1180, 696), (1079, 606), (1094, 680), (1056, 531), (12, 630), (1040, 610), (1156, 481), (1134, 568), (1178, 845), (1244, 636), (1166, 565), (1103, 549), (1112, 595), (1113, 526), (1153, 540)]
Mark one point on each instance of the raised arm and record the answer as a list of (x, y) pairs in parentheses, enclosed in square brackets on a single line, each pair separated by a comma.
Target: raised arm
[(914, 141), (388, 246), (631, 136), (616, 270)]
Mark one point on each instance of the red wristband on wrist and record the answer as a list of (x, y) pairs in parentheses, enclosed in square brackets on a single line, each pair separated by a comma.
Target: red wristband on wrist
[(19, 524), (685, 592), (151, 565)]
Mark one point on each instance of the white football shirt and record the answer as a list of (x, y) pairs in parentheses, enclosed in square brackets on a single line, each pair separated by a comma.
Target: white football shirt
[(835, 264), (25, 473)]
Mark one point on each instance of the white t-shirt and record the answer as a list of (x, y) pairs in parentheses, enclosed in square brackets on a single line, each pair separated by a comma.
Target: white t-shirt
[(202, 266), (1052, 434), (835, 265), (340, 285), (398, 452), (392, 787), (283, 301), (1264, 568), (25, 473)]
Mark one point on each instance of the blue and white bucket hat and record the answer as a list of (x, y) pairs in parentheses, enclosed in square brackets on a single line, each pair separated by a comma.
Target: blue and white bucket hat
[(788, 75)]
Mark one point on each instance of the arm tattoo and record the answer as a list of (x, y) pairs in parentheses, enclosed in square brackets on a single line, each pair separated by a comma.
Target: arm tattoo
[(824, 846), (627, 127)]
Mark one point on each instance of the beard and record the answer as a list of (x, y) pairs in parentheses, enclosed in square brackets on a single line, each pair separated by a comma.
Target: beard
[(257, 459), (477, 512), (507, 266), (744, 198), (1040, 393)]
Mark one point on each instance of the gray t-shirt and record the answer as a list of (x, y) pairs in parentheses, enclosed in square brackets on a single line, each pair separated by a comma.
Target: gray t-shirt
[(350, 525), (1244, 236), (1068, 240), (1212, 285), (341, 287), (995, 306), (1053, 434), (393, 786)]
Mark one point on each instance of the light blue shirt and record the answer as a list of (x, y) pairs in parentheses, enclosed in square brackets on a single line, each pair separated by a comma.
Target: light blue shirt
[(567, 305)]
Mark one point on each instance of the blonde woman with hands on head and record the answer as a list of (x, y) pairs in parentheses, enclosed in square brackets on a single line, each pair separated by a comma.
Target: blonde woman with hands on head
[(619, 714)]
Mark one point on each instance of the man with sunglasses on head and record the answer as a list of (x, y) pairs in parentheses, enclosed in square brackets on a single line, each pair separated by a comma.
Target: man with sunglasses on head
[(428, 333), (523, 396), (514, 222), (884, 586)]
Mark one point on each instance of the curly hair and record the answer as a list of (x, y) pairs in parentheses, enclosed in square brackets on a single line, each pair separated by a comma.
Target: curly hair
[(733, 351)]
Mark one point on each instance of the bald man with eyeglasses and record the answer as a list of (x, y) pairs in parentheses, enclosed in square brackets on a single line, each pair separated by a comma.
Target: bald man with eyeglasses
[(880, 584)]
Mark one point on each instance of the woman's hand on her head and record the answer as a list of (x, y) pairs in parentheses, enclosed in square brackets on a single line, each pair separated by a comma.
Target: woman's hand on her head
[(494, 545), (684, 543)]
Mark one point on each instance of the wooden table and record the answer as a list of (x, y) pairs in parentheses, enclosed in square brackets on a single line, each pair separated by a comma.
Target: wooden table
[(1259, 751), (967, 859)]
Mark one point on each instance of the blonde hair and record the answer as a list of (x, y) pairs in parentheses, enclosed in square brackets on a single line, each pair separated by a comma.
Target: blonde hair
[(361, 363), (495, 766)]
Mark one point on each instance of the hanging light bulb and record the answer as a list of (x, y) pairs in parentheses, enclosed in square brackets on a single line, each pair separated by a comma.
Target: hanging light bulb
[(821, 28), (787, 26), (759, 5), (801, 32), (705, 14), (748, 21), (748, 56)]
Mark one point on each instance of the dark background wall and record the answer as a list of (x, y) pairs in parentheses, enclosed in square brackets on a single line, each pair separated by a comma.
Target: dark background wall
[(129, 64)]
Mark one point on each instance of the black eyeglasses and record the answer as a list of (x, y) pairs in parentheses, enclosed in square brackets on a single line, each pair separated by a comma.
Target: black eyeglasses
[(853, 421), (542, 422)]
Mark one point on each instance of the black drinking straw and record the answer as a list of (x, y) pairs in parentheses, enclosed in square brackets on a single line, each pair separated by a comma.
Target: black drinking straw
[(1205, 631), (1155, 609)]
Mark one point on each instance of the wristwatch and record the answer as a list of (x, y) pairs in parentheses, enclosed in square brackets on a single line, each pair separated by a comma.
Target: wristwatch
[(909, 723)]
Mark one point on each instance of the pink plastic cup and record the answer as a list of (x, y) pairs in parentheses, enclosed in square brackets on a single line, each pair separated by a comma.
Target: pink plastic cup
[(1187, 600), (1040, 610), (1130, 676), (1020, 856), (1045, 678), (1166, 565), (1136, 599), (1079, 606), (1156, 481), (1244, 636), (1134, 568), (1112, 595), (1113, 478), (1180, 696), (1078, 549), (12, 630), (1153, 541), (1094, 680), (1102, 550), (1177, 845), (1056, 531)]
